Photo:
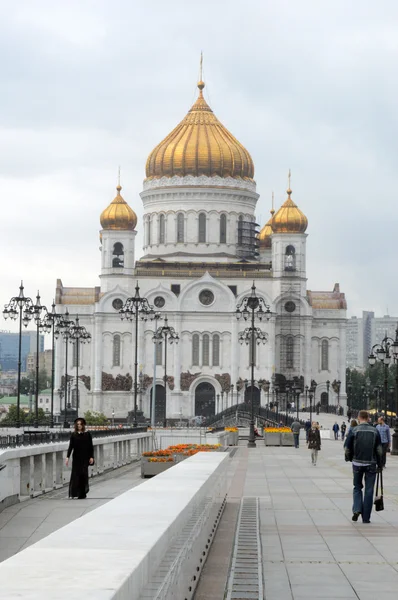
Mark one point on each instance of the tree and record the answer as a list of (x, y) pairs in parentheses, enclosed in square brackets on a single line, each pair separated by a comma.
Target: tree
[(28, 384), (24, 417), (95, 418)]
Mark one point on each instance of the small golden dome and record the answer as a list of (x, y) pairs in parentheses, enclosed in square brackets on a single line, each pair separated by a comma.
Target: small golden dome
[(289, 218), (264, 237), (200, 145), (118, 215)]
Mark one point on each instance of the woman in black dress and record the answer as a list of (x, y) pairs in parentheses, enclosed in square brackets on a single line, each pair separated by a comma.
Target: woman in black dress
[(81, 443)]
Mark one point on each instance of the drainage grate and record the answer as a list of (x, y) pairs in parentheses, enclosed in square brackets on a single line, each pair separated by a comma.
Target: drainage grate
[(246, 577)]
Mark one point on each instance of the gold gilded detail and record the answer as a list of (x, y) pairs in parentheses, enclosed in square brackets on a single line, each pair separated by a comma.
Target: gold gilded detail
[(289, 218), (118, 215), (200, 145)]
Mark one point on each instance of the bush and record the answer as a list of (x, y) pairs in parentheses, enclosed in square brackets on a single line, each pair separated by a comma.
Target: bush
[(95, 418)]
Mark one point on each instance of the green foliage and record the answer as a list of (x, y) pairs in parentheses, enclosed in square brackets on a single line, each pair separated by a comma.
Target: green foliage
[(28, 384), (95, 418), (363, 392), (24, 417)]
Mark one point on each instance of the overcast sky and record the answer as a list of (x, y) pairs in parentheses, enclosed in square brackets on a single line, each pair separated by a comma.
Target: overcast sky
[(87, 85)]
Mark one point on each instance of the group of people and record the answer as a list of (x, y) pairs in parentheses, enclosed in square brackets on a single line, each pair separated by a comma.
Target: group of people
[(312, 436)]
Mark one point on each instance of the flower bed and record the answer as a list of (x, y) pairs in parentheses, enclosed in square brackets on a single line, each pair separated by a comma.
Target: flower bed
[(157, 461)]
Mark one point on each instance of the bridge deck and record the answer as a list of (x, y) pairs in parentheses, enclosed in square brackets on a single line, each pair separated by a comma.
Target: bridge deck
[(310, 548)]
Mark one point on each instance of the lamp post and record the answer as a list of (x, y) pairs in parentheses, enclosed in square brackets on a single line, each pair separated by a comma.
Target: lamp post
[(327, 390), (384, 352), (306, 396), (51, 321), (113, 417), (259, 310), (218, 403), (231, 388), (169, 335), (349, 397), (133, 308), (222, 399), (153, 399), (296, 395), (63, 328), (78, 333), (36, 311), (338, 386), (311, 396), (19, 307)]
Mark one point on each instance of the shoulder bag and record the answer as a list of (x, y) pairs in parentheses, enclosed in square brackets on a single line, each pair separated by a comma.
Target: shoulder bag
[(379, 500)]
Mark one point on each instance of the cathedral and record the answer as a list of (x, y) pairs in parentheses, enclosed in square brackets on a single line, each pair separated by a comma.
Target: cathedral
[(202, 255)]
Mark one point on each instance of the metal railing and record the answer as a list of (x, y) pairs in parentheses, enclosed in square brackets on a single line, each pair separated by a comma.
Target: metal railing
[(262, 414), (30, 438)]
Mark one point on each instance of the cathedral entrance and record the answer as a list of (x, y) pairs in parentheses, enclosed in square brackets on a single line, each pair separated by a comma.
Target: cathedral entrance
[(256, 396), (160, 404), (205, 400), (324, 400)]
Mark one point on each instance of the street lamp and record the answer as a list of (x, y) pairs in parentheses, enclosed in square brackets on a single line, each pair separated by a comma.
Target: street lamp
[(327, 390), (36, 311), (63, 328), (349, 396), (385, 352), (338, 386), (169, 335), (311, 396), (222, 399), (78, 333), (18, 306), (51, 321), (259, 310), (133, 308)]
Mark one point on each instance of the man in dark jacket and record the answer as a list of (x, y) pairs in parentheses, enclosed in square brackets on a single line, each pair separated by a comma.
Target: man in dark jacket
[(363, 448)]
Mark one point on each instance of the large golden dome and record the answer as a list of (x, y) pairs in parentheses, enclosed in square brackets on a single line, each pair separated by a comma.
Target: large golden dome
[(200, 145), (118, 215), (289, 218)]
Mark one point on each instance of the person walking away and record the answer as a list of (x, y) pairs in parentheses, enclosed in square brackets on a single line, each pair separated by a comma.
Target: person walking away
[(295, 427), (307, 427), (363, 448), (314, 442), (385, 436), (336, 430), (343, 429), (353, 424), (81, 444), (349, 414)]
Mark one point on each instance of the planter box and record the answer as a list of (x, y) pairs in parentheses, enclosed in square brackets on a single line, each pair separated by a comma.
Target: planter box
[(272, 438), (150, 469), (287, 439)]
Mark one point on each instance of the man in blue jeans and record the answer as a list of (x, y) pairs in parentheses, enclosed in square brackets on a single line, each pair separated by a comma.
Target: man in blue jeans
[(363, 448)]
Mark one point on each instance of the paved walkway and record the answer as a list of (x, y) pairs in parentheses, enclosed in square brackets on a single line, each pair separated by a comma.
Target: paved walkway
[(310, 547), (28, 522)]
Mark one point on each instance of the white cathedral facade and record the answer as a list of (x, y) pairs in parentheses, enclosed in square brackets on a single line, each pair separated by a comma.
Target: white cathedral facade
[(201, 256)]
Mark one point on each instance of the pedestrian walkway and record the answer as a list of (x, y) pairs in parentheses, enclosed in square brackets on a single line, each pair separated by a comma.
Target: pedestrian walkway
[(28, 522), (310, 548)]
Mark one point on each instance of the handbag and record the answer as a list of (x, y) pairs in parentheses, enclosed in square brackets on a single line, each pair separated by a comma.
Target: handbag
[(379, 500)]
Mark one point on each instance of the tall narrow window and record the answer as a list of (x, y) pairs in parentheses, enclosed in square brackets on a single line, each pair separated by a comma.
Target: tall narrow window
[(240, 230), (180, 227), (223, 229), (205, 350), (159, 353), (161, 229), (195, 350), (290, 352), (202, 228), (118, 255), (149, 231), (325, 355), (74, 360), (251, 347), (116, 351), (216, 350), (290, 258)]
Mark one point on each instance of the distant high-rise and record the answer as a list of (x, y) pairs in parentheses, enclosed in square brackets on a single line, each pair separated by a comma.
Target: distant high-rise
[(9, 348), (363, 332)]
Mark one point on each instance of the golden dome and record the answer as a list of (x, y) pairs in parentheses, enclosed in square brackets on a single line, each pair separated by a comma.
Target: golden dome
[(200, 145), (118, 215), (289, 218), (264, 237)]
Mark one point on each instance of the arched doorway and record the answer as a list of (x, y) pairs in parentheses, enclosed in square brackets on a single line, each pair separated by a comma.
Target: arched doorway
[(205, 400), (160, 404), (324, 399), (256, 396)]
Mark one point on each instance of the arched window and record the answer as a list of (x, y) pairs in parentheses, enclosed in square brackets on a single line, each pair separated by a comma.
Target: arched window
[(159, 353), (116, 351), (118, 255), (180, 227), (223, 229), (202, 228), (240, 229), (290, 352), (205, 350), (195, 350), (216, 350), (290, 258), (74, 359), (161, 229), (325, 355), (251, 347), (149, 241)]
